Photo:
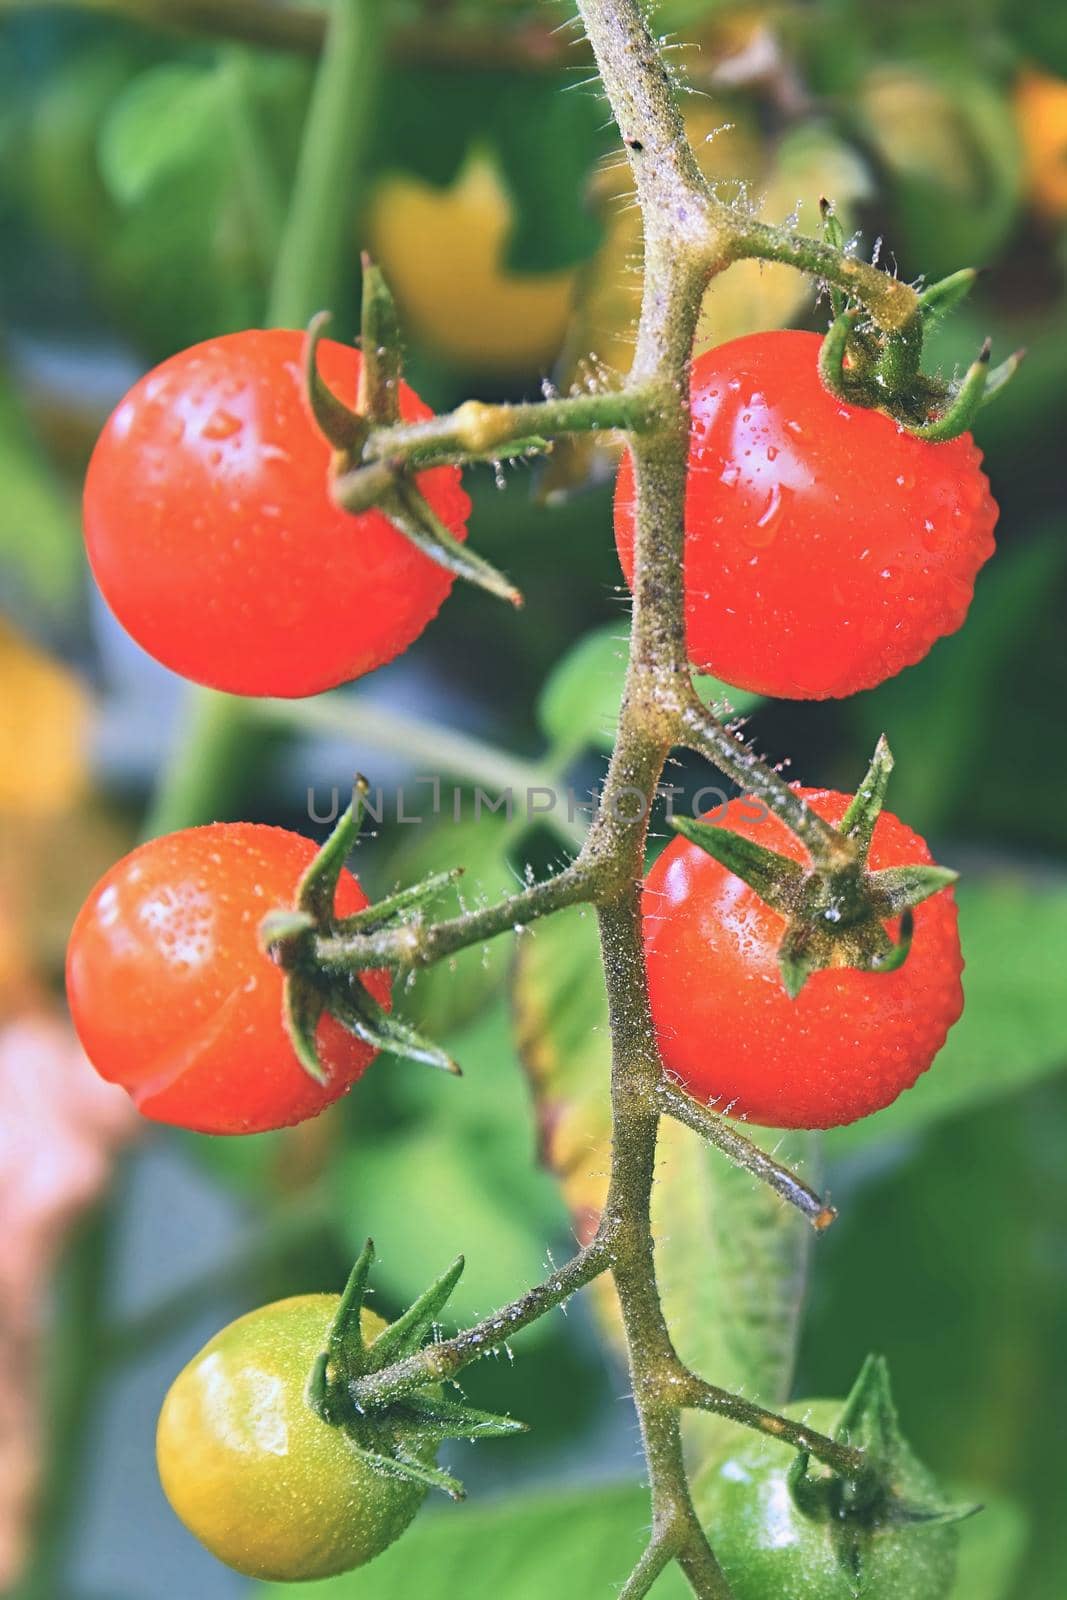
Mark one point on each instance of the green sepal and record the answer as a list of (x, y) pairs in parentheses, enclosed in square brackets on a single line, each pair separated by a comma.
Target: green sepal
[(356, 1009), (962, 406), (341, 427), (436, 1419), (775, 878), (893, 1489), (379, 380), (803, 950), (302, 1008), (887, 956), (939, 298), (283, 927), (409, 1332), (316, 889), (1002, 374), (384, 912), (345, 1345), (345, 1354), (897, 889), (404, 1466), (832, 353), (409, 511), (834, 235), (866, 805), (899, 1490)]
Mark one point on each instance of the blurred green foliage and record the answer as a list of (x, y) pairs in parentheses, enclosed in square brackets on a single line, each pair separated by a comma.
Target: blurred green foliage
[(143, 181)]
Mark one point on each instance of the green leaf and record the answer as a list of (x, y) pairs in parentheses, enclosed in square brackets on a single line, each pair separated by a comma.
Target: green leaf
[(954, 702), (40, 547), (449, 994), (455, 1173), (1014, 1026), (579, 703), (575, 1546), (550, 231), (733, 1264), (732, 1256), (561, 1024), (169, 117)]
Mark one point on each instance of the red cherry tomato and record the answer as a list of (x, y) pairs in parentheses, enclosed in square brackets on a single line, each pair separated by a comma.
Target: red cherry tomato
[(848, 1044), (213, 538), (173, 998), (825, 549)]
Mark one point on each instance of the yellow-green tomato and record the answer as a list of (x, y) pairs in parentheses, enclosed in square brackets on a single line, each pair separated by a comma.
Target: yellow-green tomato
[(771, 1550), (252, 1470)]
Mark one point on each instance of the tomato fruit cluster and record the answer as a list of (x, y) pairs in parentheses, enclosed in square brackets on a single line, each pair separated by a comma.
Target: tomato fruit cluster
[(254, 1472), (825, 548), (212, 536), (848, 1044), (174, 999)]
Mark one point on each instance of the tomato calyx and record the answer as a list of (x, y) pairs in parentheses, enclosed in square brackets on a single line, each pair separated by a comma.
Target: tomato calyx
[(895, 1491), (864, 365), (361, 481), (399, 1437), (835, 913), (288, 935)]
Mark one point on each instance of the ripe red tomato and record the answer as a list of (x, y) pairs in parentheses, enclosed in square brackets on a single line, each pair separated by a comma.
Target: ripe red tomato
[(826, 549), (213, 538), (173, 998), (850, 1041)]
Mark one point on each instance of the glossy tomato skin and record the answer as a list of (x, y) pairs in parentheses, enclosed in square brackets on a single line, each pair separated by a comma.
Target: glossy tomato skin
[(254, 1473), (211, 533), (826, 549), (173, 998), (770, 1550), (848, 1044)]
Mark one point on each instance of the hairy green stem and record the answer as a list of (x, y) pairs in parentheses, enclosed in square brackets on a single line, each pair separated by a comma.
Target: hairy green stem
[(476, 430), (703, 733), (325, 195), (694, 1394), (435, 1362), (414, 944), (717, 1130)]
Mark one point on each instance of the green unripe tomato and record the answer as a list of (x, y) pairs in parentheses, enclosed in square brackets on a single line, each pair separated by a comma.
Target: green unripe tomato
[(770, 1550), (251, 1469)]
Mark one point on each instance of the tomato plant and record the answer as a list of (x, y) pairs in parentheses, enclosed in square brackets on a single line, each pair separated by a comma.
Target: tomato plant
[(826, 549), (268, 1486), (273, 514), (173, 997), (848, 1044), (213, 538)]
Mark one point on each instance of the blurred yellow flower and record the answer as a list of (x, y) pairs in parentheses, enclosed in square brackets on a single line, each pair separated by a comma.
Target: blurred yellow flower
[(43, 720)]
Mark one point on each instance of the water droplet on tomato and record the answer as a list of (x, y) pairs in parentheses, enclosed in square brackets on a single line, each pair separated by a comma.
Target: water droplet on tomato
[(222, 425), (759, 534)]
